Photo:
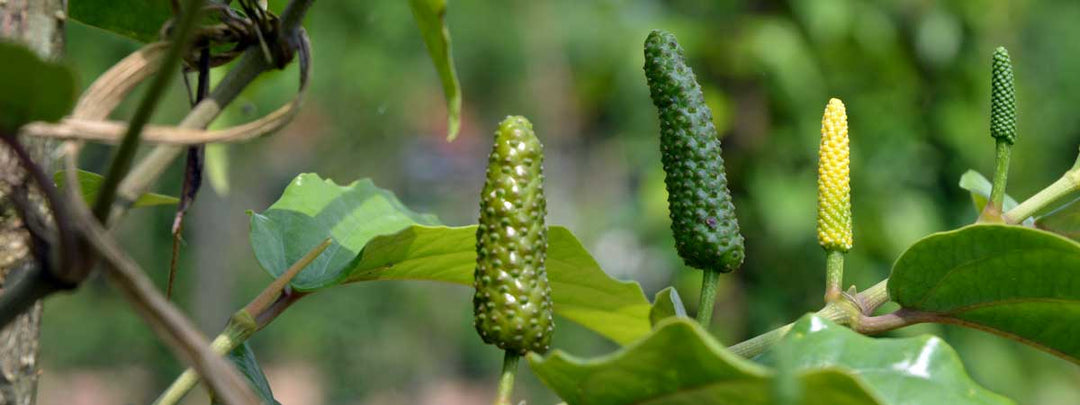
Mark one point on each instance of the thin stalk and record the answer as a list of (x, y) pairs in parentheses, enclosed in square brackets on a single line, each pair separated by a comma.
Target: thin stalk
[(709, 281), (834, 275), (1001, 175), (121, 161), (192, 172), (1067, 184), (274, 290), (506, 381)]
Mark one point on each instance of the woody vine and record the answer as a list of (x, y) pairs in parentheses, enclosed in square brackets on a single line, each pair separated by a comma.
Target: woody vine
[(524, 272)]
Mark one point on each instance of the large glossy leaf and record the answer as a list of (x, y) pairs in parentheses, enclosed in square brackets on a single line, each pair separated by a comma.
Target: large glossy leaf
[(431, 18), (375, 239), (680, 363), (1015, 281), (32, 89), (905, 371), (137, 19), (244, 359), (90, 185), (1064, 221)]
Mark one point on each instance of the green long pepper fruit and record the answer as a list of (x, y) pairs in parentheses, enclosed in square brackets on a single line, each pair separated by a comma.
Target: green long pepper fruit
[(512, 303), (1002, 98), (702, 216)]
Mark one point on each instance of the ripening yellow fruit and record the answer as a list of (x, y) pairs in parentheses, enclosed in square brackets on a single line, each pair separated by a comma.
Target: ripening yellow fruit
[(834, 185)]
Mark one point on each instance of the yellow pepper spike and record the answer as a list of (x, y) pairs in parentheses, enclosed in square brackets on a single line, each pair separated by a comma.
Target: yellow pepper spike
[(834, 186)]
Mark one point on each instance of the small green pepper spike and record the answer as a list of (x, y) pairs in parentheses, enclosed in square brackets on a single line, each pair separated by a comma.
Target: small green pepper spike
[(1002, 98)]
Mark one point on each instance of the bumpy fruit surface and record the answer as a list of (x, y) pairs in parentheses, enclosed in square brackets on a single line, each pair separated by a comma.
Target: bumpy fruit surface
[(1002, 98), (512, 304), (834, 184), (702, 216)]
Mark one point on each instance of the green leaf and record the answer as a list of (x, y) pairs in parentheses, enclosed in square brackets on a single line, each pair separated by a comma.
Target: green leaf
[(430, 16), (217, 167), (1014, 281), (377, 238), (1064, 221), (980, 187), (680, 363), (244, 359), (311, 209), (33, 89), (667, 304), (90, 184), (140, 20), (582, 292), (914, 370)]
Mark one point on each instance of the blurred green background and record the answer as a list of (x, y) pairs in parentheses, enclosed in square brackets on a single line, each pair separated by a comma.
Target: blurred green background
[(913, 73)]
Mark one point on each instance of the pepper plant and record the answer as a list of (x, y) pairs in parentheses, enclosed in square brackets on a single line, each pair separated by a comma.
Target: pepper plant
[(1013, 273)]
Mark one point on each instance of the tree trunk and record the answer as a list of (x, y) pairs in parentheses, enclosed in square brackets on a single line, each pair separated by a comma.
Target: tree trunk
[(40, 25)]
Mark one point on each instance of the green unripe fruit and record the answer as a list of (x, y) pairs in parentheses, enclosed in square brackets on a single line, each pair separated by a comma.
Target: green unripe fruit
[(702, 215), (1002, 98), (512, 304)]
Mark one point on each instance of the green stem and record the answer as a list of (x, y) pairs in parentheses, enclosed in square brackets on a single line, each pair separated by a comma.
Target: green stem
[(1067, 184), (758, 344), (709, 281), (266, 306), (1001, 175), (834, 275), (840, 311), (872, 298), (506, 381), (121, 162), (239, 329)]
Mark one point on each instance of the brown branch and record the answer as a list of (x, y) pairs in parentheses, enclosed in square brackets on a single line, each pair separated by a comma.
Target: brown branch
[(165, 319)]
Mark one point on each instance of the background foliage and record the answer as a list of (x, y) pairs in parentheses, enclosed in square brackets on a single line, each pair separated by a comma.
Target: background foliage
[(914, 75)]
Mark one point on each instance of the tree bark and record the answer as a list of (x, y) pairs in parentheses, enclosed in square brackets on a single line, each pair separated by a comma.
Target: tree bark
[(39, 24)]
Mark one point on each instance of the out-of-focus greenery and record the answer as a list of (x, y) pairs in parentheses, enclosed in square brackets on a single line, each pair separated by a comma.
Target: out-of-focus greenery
[(915, 76)]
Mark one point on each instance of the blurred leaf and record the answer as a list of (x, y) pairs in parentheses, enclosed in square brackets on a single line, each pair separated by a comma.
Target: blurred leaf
[(980, 187), (680, 363), (431, 18), (33, 89), (667, 304), (137, 19), (90, 183), (1014, 281), (1064, 221), (217, 167), (913, 370), (363, 220), (244, 359)]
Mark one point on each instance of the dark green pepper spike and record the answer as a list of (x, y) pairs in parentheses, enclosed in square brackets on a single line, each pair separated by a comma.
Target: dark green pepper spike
[(702, 215), (512, 304), (1002, 98)]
